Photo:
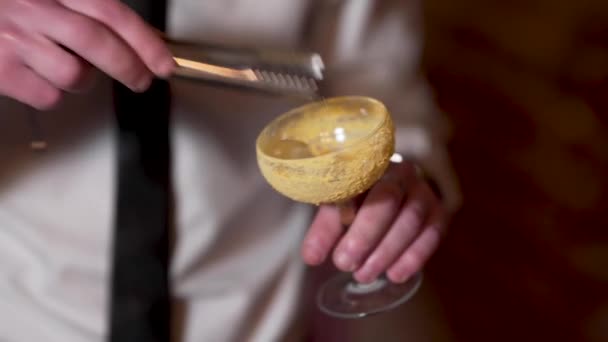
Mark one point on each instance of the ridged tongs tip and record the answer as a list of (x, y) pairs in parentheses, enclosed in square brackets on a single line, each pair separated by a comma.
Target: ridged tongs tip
[(289, 73)]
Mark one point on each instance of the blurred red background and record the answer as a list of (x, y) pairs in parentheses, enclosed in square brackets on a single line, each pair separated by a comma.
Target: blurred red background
[(525, 84)]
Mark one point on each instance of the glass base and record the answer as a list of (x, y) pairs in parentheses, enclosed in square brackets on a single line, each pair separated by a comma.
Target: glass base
[(343, 297)]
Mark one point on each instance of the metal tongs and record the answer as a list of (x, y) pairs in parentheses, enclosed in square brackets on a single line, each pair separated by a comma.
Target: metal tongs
[(278, 72)]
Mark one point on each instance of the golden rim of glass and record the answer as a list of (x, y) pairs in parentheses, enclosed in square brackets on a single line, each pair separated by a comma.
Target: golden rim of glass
[(298, 110)]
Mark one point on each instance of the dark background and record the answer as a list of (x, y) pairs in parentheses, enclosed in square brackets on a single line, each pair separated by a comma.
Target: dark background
[(525, 84)]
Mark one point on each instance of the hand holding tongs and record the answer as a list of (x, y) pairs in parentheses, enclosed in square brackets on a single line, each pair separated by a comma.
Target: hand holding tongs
[(286, 73)]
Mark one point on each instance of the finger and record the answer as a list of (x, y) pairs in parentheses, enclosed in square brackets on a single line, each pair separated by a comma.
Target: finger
[(348, 212), (322, 236), (404, 230), (22, 84), (95, 43), (415, 257), (131, 28), (373, 218), (58, 66)]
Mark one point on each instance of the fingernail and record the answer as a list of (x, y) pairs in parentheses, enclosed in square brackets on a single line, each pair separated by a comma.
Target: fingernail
[(364, 277), (142, 84), (344, 262), (313, 254), (400, 278), (165, 69)]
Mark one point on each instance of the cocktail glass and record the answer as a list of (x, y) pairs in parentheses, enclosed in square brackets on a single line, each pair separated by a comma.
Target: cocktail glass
[(328, 152)]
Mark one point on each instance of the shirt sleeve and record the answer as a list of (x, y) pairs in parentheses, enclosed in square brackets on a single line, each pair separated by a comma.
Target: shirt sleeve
[(373, 48)]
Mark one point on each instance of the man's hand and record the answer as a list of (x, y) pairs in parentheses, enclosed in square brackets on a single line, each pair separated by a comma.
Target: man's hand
[(49, 46), (395, 231)]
